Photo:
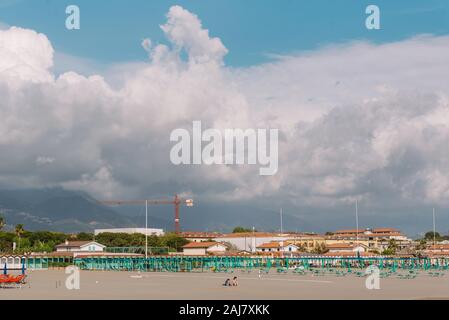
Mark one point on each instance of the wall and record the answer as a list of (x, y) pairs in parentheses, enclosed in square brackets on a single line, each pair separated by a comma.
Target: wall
[(247, 244), (216, 248), (194, 251)]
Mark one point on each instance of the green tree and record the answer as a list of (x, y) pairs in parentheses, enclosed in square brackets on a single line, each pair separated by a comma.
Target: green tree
[(421, 245), (429, 235), (391, 249), (241, 230), (2, 223), (19, 230), (320, 249), (84, 236), (174, 241)]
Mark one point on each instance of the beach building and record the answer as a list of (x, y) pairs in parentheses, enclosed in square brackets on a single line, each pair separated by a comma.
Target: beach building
[(438, 248), (80, 246), (12, 262), (149, 231), (375, 239), (346, 247), (203, 248), (308, 242), (248, 241), (277, 246)]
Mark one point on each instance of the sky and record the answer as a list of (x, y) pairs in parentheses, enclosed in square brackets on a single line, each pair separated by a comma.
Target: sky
[(362, 114), (252, 29)]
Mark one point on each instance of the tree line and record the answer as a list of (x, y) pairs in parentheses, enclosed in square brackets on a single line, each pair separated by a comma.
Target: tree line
[(45, 241)]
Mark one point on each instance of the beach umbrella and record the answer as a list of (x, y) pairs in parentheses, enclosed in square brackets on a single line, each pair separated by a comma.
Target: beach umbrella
[(5, 270)]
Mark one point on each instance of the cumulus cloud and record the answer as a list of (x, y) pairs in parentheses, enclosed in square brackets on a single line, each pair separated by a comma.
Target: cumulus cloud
[(357, 121), (26, 55)]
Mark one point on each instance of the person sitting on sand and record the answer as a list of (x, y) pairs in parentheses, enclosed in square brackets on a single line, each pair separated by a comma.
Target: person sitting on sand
[(235, 282)]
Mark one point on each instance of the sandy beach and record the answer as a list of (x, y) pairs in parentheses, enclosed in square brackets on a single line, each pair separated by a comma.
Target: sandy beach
[(158, 286)]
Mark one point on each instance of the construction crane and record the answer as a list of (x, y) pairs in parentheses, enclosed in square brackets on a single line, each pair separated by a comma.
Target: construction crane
[(177, 202)]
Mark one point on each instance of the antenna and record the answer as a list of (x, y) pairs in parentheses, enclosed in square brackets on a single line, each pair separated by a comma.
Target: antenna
[(146, 229), (434, 228)]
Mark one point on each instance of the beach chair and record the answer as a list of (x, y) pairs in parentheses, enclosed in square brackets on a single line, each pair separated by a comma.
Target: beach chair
[(9, 281), (360, 274), (282, 270)]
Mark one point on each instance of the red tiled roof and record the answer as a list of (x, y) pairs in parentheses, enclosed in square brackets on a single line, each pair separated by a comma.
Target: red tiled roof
[(439, 247), (349, 231), (73, 244), (385, 230), (52, 254), (349, 254)]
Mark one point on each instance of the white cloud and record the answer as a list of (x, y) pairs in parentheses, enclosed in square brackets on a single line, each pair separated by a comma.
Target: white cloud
[(40, 161), (356, 120)]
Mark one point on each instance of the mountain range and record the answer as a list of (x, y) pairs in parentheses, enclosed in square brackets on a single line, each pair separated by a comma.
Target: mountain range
[(57, 209)]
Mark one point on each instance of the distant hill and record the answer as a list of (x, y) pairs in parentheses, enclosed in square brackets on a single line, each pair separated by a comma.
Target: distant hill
[(58, 210)]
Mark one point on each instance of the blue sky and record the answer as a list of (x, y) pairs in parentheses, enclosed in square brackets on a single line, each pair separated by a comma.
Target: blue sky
[(111, 31)]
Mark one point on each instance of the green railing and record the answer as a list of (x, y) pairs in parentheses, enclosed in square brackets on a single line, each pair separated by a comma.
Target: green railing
[(230, 264)]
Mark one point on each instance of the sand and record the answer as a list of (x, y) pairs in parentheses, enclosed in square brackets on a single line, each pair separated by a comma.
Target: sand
[(194, 286)]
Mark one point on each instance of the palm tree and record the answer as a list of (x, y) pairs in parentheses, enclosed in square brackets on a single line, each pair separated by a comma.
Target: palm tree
[(2, 223), (19, 231)]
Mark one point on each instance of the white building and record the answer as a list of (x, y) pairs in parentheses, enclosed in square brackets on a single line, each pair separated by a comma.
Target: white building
[(11, 262), (80, 246), (277, 246), (346, 247), (203, 248), (249, 241), (149, 231)]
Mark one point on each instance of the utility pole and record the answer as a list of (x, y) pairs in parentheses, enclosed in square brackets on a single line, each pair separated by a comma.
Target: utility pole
[(146, 229), (357, 219)]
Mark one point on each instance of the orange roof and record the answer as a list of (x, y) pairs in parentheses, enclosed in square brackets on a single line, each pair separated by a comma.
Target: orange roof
[(439, 247), (349, 231), (384, 230), (75, 244), (269, 245), (362, 235), (52, 254), (201, 245), (342, 245), (349, 254), (275, 244), (106, 254)]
